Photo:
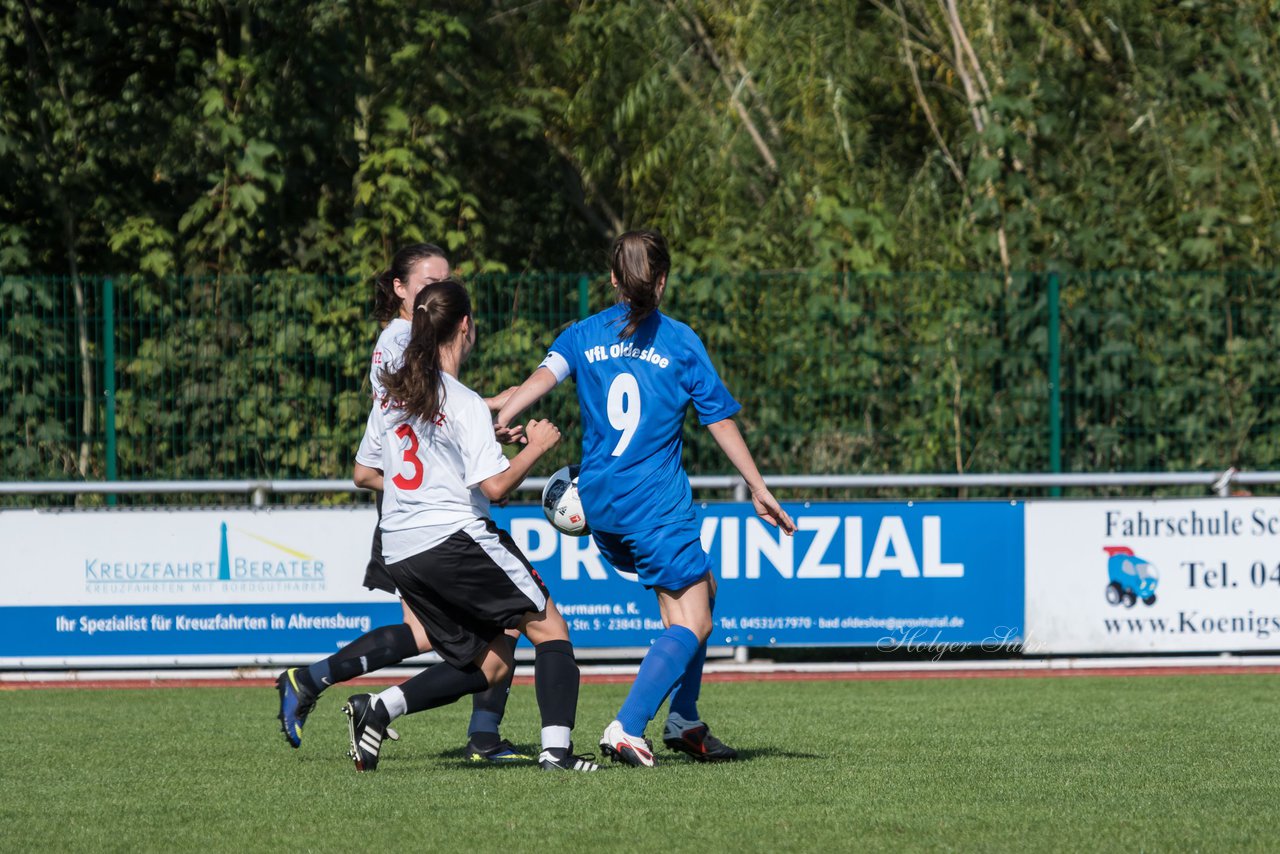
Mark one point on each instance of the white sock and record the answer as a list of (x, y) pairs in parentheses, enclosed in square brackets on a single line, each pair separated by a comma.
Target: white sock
[(555, 736), (681, 723), (393, 701)]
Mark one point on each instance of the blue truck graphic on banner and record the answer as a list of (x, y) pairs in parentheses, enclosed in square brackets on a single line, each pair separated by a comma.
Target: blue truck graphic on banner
[(1130, 578)]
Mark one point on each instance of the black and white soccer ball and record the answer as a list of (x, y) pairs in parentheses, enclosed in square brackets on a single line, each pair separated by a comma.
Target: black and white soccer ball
[(562, 505)]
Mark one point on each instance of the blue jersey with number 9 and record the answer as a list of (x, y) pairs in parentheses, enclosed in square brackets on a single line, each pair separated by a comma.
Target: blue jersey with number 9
[(633, 394)]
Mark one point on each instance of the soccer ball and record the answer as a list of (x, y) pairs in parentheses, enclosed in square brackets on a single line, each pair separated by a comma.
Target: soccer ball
[(562, 505)]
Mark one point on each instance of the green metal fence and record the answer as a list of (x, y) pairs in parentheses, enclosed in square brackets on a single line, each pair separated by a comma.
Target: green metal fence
[(265, 376)]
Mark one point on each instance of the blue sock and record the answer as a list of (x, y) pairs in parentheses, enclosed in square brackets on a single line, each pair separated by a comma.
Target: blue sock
[(483, 720), (490, 705), (684, 698), (662, 666)]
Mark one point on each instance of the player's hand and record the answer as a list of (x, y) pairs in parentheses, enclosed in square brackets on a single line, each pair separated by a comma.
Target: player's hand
[(500, 399), (768, 509), (543, 435), (509, 435)]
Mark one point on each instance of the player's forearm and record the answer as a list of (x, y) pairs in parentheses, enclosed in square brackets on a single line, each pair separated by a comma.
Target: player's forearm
[(730, 440), (367, 478), (530, 392), (496, 402), (502, 484)]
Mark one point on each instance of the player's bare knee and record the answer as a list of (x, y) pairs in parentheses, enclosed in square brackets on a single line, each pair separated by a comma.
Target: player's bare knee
[(698, 625), (538, 631), (546, 625), (495, 670)]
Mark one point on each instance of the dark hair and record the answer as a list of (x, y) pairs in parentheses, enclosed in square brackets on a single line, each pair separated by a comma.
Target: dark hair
[(438, 311), (386, 305), (639, 260)]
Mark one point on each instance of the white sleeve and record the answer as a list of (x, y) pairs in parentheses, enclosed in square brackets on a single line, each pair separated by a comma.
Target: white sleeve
[(556, 364), (375, 369), (388, 354), (370, 451), (482, 455)]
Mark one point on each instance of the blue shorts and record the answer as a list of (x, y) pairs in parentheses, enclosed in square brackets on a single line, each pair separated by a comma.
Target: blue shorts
[(670, 557)]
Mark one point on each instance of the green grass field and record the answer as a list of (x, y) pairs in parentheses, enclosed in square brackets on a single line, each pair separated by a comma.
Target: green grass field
[(1171, 763)]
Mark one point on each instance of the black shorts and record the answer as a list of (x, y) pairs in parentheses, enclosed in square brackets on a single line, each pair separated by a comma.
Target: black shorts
[(376, 576), (469, 589)]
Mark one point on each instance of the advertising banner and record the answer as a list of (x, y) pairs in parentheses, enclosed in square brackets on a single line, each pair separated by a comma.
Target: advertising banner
[(1153, 576), (265, 586), (893, 575), (184, 586)]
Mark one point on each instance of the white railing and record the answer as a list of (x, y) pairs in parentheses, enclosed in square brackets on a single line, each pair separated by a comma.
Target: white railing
[(1219, 483)]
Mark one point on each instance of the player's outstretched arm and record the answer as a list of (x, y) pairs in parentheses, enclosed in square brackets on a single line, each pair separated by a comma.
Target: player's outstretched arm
[(542, 436), (530, 392), (730, 440), (496, 402), (513, 434)]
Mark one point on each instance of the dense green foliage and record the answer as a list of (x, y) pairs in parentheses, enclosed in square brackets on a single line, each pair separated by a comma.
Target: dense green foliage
[(1037, 764), (197, 137), (209, 155)]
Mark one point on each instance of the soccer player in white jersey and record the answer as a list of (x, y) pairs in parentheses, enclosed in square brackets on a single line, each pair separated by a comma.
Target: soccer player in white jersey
[(637, 371), (413, 268), (430, 445)]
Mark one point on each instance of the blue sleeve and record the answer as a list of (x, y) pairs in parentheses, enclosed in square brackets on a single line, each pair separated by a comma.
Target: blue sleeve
[(711, 399)]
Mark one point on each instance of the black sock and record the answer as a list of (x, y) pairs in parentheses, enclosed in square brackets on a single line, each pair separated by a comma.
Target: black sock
[(373, 650), (555, 680), (488, 707), (302, 675), (482, 740), (440, 685)]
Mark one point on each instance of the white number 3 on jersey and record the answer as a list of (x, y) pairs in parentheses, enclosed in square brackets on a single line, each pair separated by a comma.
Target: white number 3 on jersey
[(624, 409)]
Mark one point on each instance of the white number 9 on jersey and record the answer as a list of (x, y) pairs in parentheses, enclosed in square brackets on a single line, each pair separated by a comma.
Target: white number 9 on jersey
[(624, 409)]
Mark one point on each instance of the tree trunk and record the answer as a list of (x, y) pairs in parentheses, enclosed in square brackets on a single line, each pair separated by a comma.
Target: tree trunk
[(89, 405)]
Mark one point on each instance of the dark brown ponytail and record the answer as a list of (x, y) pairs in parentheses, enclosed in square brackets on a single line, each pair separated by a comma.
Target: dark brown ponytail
[(639, 260), (438, 312), (386, 304)]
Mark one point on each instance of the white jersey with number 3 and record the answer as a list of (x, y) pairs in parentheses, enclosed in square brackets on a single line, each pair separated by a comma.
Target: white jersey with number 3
[(431, 472)]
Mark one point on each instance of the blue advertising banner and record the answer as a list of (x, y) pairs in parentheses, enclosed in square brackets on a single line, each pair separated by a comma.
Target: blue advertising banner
[(868, 574), (185, 630), (242, 586)]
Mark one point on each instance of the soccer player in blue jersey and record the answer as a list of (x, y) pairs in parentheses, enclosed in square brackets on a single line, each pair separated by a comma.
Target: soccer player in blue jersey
[(637, 371)]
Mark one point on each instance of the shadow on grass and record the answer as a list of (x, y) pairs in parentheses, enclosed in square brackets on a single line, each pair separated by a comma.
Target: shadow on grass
[(748, 754), (457, 757)]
